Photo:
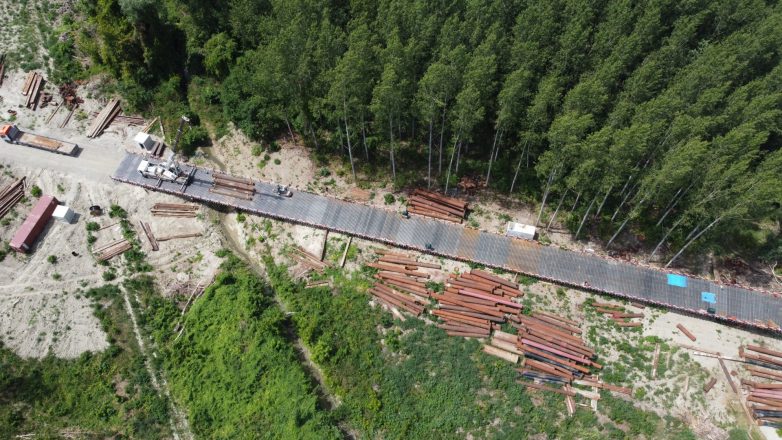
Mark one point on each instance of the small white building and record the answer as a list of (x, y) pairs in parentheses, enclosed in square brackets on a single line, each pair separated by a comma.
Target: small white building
[(64, 214), (520, 230), (144, 141)]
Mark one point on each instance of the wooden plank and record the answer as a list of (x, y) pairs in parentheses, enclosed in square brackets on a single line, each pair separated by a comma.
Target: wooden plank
[(686, 332), (727, 376)]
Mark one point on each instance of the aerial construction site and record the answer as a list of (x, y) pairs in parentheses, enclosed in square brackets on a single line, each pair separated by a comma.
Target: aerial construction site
[(230, 241)]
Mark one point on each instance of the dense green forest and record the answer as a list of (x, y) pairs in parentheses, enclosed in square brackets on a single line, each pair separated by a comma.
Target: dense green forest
[(660, 118)]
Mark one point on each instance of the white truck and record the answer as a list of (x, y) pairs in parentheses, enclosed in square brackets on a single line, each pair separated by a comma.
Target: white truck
[(168, 170), (13, 135)]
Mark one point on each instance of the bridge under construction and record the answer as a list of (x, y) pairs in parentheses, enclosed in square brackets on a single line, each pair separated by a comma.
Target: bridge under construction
[(727, 303)]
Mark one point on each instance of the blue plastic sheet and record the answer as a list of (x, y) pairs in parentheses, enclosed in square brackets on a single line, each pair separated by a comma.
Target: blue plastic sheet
[(709, 297), (677, 280)]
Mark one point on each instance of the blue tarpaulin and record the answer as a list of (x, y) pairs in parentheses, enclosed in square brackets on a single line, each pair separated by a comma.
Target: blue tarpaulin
[(677, 280), (709, 297)]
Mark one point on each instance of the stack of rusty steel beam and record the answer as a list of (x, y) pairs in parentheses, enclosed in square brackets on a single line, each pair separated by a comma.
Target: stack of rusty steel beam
[(474, 303), (764, 401), (431, 204), (620, 316), (399, 283), (10, 196), (174, 210), (553, 347), (232, 186)]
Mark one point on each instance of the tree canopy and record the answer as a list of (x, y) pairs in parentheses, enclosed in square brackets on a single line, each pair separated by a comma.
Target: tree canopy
[(655, 117)]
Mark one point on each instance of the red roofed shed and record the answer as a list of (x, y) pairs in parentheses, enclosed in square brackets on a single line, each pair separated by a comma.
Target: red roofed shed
[(34, 224)]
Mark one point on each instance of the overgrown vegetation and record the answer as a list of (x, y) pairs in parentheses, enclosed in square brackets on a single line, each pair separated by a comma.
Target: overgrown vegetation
[(98, 395), (234, 367), (409, 380)]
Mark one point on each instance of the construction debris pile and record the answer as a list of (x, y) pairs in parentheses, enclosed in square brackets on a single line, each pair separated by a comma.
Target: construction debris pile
[(104, 118), (174, 210), (618, 314), (764, 400), (10, 196), (32, 89), (399, 282), (431, 204), (474, 303), (238, 187)]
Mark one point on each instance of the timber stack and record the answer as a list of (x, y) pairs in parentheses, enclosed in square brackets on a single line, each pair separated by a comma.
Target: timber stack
[(10, 196), (32, 89), (432, 204), (104, 118), (174, 210), (124, 119), (399, 283), (474, 303), (232, 186), (617, 313), (111, 250)]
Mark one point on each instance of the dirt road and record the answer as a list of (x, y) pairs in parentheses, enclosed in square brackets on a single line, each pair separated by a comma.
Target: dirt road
[(92, 162)]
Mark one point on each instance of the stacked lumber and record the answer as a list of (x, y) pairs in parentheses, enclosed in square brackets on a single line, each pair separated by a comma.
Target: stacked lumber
[(112, 249), (399, 283), (617, 313), (552, 346), (104, 118), (32, 89), (28, 82), (764, 401), (10, 196), (174, 210), (474, 303), (233, 186), (431, 204), (123, 119)]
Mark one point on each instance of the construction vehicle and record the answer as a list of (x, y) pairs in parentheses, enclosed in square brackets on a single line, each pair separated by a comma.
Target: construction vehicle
[(168, 170), (282, 190), (13, 135)]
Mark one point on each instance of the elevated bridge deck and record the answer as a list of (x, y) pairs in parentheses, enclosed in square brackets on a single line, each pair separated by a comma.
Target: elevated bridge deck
[(736, 305)]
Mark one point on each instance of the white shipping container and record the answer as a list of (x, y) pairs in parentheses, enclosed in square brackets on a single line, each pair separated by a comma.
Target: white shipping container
[(64, 214), (520, 230), (144, 140)]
